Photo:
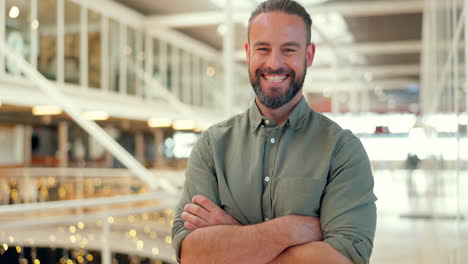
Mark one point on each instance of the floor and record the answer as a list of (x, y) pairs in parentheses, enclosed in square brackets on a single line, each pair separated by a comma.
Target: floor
[(417, 221)]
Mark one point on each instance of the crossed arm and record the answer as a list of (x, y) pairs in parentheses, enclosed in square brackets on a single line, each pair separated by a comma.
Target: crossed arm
[(217, 237)]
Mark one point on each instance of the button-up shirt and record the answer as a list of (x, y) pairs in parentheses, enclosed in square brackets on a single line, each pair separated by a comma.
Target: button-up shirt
[(256, 170)]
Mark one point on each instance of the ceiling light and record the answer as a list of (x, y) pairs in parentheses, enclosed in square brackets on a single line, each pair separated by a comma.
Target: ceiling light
[(95, 115), (210, 71), (42, 110), (184, 125), (159, 122), (222, 29), (35, 24), (14, 12)]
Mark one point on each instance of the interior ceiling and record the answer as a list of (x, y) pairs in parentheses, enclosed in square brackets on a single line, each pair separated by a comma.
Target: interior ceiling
[(382, 28)]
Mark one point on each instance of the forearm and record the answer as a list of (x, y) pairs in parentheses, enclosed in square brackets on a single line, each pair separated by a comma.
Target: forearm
[(313, 252), (259, 243)]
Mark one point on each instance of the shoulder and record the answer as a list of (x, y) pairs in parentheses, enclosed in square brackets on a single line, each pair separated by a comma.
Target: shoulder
[(228, 126), (331, 133), (329, 128)]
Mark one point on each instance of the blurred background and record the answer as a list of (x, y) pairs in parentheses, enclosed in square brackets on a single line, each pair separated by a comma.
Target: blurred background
[(102, 101)]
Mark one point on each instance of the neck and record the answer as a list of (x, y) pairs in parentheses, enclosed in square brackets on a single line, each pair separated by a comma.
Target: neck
[(280, 114)]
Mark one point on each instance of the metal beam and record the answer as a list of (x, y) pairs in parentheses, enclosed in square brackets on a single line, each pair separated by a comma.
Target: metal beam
[(349, 85), (376, 71), (348, 9), (390, 47), (368, 48)]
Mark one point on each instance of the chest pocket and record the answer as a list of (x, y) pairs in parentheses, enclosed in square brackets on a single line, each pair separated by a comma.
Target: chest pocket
[(298, 196)]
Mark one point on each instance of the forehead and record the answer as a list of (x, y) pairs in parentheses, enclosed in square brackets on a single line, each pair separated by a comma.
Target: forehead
[(277, 27)]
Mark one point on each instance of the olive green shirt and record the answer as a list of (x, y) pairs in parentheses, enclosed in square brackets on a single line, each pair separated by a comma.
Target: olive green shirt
[(256, 171)]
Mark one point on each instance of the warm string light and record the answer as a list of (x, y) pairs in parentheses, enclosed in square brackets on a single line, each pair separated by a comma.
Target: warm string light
[(44, 184)]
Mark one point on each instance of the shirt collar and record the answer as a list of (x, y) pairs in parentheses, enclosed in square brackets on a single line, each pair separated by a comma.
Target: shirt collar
[(295, 118)]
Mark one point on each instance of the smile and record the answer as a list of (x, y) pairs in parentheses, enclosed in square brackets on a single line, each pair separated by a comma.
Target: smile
[(275, 78)]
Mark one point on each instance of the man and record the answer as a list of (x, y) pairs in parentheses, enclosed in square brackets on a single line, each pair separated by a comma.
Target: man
[(279, 183)]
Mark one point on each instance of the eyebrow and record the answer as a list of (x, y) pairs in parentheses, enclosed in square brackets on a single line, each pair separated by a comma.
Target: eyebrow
[(261, 43), (290, 43)]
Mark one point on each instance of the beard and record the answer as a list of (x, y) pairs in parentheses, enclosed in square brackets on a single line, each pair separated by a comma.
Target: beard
[(275, 102)]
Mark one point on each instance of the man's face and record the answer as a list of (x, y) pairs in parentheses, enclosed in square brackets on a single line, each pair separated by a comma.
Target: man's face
[(278, 57)]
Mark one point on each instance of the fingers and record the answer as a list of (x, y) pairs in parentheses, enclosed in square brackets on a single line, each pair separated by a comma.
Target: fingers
[(198, 211), (206, 203), (190, 226), (193, 222)]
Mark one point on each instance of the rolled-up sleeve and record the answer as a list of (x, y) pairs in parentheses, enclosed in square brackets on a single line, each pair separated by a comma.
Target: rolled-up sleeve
[(348, 211), (200, 179)]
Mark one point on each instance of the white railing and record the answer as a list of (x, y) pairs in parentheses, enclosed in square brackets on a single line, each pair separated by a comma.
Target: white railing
[(89, 126), (99, 217)]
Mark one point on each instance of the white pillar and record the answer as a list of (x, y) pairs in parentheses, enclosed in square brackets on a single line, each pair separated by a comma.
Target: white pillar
[(2, 35), (27, 145), (62, 144), (205, 93), (106, 255), (158, 140), (123, 59), (33, 34), (84, 47), (186, 78), (140, 147), (228, 56), (196, 81), (163, 64), (175, 73), (104, 53), (465, 6), (149, 66), (60, 41), (138, 63), (108, 158)]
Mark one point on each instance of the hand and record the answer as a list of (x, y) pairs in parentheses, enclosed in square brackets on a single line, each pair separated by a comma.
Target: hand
[(204, 213), (303, 229)]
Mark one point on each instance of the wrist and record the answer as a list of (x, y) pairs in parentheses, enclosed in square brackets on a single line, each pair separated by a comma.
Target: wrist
[(287, 226), (274, 233)]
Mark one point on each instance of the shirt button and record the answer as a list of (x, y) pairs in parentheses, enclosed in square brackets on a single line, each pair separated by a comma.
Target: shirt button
[(272, 140), (267, 122), (267, 179), (266, 219)]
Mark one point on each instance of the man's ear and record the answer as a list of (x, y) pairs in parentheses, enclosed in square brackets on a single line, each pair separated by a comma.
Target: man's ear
[(247, 52), (310, 54)]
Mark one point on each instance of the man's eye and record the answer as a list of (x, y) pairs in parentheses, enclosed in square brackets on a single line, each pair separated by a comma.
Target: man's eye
[(262, 49), (289, 50)]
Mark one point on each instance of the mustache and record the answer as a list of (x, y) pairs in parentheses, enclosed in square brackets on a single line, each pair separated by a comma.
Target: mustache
[(279, 71)]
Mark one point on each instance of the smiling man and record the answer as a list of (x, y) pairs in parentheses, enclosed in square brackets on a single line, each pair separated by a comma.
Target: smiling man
[(279, 183)]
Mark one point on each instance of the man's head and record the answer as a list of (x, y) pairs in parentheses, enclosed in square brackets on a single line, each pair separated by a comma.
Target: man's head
[(278, 51)]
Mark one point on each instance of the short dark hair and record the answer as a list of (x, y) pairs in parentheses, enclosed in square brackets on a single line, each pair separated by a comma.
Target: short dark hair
[(286, 6)]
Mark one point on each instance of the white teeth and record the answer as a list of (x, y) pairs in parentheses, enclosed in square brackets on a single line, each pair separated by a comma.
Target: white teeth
[(275, 78)]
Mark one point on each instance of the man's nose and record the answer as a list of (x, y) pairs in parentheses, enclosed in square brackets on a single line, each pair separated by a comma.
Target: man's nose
[(274, 61)]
